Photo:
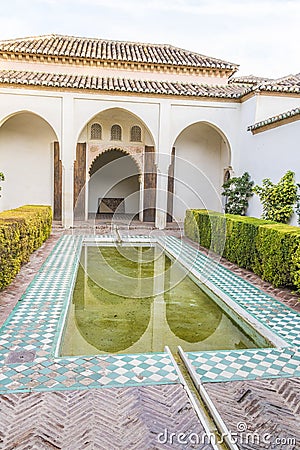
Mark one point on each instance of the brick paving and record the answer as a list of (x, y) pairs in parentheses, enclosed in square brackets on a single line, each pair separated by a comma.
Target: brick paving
[(133, 418), (264, 414)]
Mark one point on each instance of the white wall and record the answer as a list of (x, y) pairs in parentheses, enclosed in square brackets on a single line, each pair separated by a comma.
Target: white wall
[(199, 167), (269, 106), (26, 159), (26, 155), (271, 154)]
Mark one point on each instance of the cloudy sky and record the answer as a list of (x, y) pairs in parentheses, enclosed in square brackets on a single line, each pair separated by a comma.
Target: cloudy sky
[(260, 35)]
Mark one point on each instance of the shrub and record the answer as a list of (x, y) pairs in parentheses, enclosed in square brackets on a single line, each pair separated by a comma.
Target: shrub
[(278, 199), (269, 249), (237, 191), (297, 210), (22, 231), (1, 179)]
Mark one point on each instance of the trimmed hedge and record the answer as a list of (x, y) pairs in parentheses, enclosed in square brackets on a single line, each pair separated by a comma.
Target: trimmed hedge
[(269, 249), (22, 231)]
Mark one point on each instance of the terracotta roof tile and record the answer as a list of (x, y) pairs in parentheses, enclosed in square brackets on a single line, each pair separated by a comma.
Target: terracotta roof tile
[(101, 49), (274, 119), (289, 83), (248, 79), (289, 80), (120, 84)]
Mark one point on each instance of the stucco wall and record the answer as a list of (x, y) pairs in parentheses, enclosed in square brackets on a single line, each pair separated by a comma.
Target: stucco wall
[(268, 106), (199, 168), (26, 155), (271, 154)]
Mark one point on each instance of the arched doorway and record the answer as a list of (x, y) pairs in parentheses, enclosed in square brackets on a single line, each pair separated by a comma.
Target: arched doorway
[(28, 148), (114, 185), (113, 138), (201, 153)]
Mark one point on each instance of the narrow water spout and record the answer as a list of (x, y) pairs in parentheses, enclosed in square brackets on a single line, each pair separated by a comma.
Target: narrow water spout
[(118, 239)]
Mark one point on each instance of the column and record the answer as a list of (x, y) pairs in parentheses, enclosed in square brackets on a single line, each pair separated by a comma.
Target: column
[(68, 156), (163, 161), (141, 202)]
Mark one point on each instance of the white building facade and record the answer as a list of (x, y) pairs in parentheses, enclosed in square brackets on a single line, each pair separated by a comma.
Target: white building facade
[(92, 126)]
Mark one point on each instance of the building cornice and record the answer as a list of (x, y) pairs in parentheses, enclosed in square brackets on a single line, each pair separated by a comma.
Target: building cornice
[(117, 65)]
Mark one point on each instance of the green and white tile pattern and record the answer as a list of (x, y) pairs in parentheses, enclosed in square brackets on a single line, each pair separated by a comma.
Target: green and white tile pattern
[(281, 320), (35, 324), (37, 319)]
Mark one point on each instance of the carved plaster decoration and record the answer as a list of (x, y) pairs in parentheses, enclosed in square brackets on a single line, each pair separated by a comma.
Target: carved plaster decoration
[(136, 152)]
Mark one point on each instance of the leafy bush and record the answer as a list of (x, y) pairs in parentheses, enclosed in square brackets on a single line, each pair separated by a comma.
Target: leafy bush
[(22, 231), (278, 199), (237, 191), (298, 205), (1, 179), (269, 249)]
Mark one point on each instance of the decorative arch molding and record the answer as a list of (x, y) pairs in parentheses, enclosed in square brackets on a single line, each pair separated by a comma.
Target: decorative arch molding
[(136, 153), (213, 125), (87, 117), (40, 155), (17, 112)]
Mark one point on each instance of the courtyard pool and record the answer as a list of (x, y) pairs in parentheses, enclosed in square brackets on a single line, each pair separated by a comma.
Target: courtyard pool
[(136, 299)]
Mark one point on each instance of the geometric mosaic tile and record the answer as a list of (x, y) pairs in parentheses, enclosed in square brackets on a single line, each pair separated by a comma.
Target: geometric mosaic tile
[(244, 364), (35, 322), (247, 364), (33, 328)]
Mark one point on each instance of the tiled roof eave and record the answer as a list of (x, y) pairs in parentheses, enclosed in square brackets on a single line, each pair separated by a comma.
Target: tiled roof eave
[(293, 113), (278, 88), (108, 84)]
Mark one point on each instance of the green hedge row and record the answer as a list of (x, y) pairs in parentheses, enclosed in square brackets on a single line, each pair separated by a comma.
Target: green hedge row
[(269, 249), (22, 231)]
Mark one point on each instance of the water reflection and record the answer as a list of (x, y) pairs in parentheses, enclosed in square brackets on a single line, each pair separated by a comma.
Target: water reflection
[(135, 299)]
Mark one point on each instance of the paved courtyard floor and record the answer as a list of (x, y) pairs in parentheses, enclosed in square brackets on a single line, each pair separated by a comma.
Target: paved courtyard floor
[(78, 415)]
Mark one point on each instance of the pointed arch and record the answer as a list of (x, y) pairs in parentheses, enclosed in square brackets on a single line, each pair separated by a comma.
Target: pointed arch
[(121, 150)]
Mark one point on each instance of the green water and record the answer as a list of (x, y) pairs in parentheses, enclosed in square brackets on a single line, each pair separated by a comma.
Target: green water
[(136, 300)]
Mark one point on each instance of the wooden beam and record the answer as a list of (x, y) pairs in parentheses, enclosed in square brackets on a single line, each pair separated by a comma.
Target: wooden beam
[(57, 184), (150, 177), (79, 181), (171, 187)]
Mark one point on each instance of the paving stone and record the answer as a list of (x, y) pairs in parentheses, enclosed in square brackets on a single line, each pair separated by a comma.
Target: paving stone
[(132, 418), (263, 414)]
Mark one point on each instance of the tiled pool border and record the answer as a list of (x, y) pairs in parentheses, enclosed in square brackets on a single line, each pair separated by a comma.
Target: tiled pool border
[(48, 296), (34, 326), (262, 310)]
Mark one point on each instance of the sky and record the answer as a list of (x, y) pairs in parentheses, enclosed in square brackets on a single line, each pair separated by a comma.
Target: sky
[(262, 36)]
